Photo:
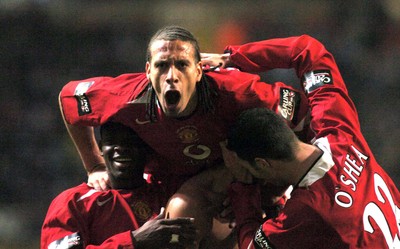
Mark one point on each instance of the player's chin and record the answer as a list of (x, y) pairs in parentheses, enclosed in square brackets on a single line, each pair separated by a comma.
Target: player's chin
[(127, 175), (171, 111)]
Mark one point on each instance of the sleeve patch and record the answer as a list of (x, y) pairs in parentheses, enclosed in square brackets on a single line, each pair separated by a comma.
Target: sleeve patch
[(81, 98), (83, 104), (288, 104), (315, 79), (261, 241), (72, 241)]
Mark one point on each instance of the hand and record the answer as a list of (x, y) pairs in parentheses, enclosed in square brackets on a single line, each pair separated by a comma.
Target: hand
[(215, 60), (237, 166), (166, 233), (227, 215), (98, 179)]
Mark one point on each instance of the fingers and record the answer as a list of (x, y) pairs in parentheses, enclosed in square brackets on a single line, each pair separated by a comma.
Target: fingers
[(223, 144), (232, 224), (187, 239), (166, 233), (178, 221), (103, 183), (228, 156), (227, 212), (161, 215), (214, 60), (98, 180), (227, 215), (208, 56), (183, 232)]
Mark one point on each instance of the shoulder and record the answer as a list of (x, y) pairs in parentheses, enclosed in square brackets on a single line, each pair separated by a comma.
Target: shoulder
[(71, 192), (78, 194), (132, 80), (120, 85), (232, 80), (128, 77), (66, 200)]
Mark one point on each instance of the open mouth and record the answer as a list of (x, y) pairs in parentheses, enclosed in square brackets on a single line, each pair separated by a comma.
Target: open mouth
[(172, 97)]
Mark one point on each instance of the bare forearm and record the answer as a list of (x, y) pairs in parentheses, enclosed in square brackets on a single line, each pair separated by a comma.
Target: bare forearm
[(85, 142)]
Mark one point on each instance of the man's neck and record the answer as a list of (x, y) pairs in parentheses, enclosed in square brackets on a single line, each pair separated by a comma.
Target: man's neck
[(134, 184), (306, 157), (190, 108)]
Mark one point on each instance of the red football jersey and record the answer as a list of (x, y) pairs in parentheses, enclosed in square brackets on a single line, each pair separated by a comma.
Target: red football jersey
[(346, 200), (183, 146), (88, 218)]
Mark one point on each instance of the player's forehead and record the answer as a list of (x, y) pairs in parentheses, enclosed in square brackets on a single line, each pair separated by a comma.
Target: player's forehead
[(118, 138), (164, 48)]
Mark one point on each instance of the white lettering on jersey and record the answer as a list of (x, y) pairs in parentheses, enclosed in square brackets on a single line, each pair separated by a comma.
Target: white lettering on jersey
[(315, 79), (353, 167), (344, 199), (83, 101), (69, 241), (83, 105), (373, 211), (261, 241), (287, 103)]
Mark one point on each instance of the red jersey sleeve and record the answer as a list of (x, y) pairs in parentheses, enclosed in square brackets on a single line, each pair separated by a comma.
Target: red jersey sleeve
[(93, 101), (240, 91), (62, 222), (301, 53), (372, 197), (312, 63)]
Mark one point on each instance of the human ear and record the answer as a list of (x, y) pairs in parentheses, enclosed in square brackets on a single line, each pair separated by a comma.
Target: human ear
[(148, 70), (261, 166), (199, 70)]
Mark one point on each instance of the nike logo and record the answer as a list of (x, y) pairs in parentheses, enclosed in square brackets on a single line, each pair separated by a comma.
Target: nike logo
[(101, 203), (141, 122)]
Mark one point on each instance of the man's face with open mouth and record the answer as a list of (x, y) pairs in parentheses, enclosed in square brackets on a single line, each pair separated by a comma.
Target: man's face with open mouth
[(174, 72)]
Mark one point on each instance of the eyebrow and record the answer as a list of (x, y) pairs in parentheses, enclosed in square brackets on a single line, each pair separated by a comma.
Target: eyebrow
[(161, 60)]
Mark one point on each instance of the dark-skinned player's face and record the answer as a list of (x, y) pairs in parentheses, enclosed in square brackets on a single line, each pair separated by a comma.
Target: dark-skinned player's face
[(174, 72), (124, 162)]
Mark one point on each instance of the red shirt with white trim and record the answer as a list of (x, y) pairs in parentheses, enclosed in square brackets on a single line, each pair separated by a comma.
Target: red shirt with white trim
[(88, 218), (183, 146), (346, 200)]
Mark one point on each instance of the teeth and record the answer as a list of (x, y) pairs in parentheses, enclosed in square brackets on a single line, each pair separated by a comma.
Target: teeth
[(123, 159)]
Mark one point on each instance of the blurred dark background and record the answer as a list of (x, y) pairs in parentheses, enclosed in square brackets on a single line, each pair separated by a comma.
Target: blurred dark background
[(44, 44)]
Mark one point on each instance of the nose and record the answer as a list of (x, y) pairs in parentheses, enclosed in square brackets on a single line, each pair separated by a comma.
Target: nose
[(171, 75), (119, 149), (125, 149)]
